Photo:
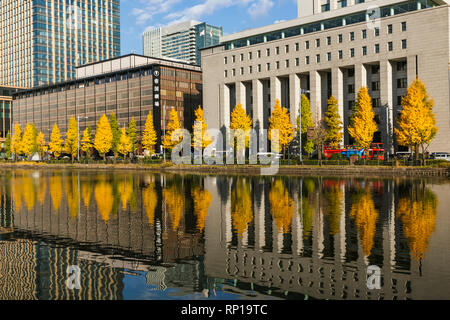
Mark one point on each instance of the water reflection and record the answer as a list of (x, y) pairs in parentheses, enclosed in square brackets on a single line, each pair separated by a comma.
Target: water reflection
[(141, 235)]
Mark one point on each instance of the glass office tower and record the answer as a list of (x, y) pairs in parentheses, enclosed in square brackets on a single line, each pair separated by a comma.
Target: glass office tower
[(42, 41)]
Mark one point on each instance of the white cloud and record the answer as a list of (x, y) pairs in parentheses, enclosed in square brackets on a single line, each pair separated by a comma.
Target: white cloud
[(260, 8), (151, 8)]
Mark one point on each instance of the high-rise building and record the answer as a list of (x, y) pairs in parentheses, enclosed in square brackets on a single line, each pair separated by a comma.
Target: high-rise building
[(42, 41), (181, 41), (382, 45)]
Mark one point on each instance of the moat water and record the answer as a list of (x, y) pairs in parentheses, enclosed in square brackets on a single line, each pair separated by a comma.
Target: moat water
[(137, 235)]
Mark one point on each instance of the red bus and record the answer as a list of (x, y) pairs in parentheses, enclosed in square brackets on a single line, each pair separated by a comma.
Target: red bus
[(376, 151)]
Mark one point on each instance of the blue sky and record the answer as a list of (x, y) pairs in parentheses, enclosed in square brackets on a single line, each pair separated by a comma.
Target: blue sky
[(232, 15)]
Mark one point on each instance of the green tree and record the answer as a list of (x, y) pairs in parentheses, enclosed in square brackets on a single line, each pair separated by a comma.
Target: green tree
[(306, 122), (55, 145), (334, 123), (103, 141), (115, 133), (149, 137), (71, 143)]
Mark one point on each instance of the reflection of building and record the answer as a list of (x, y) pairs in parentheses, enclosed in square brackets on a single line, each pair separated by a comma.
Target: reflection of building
[(181, 41), (129, 86), (333, 49), (43, 41), (319, 265), (32, 271)]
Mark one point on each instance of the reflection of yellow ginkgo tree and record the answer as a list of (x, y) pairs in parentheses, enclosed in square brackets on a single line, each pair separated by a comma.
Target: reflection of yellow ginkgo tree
[(306, 207), (56, 191), (175, 205), (42, 190), (334, 197), (72, 195), (104, 199), (241, 206), (29, 192), (17, 191), (365, 215), (418, 215), (281, 206), (150, 200), (202, 201), (126, 190), (86, 191)]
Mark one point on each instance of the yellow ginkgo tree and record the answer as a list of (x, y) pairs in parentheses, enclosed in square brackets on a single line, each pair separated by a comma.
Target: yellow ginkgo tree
[(125, 146), (16, 141), (149, 137), (55, 145), (280, 120), (71, 143), (334, 123), (201, 137), (241, 124), (103, 137), (172, 127), (28, 140), (417, 122), (362, 123)]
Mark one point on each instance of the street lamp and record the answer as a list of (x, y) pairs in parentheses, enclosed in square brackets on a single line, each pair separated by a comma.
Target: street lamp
[(164, 129), (78, 133)]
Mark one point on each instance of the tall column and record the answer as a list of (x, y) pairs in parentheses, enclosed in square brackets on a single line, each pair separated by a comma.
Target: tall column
[(386, 96), (258, 104), (240, 95), (412, 71), (225, 103), (260, 240), (360, 77), (297, 229), (278, 236), (275, 91), (316, 96), (337, 89), (295, 94)]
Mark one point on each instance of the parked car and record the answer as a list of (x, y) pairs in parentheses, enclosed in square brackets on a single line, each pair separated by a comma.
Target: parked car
[(403, 155), (440, 156)]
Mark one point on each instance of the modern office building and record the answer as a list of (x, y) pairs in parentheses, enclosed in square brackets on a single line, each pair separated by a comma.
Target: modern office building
[(42, 41), (182, 41), (6, 110), (130, 86), (335, 50)]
